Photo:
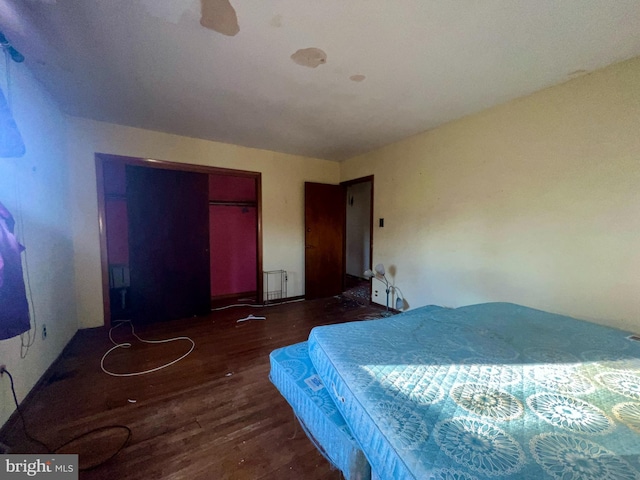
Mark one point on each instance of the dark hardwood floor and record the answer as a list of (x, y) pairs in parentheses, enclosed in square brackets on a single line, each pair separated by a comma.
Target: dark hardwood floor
[(213, 415)]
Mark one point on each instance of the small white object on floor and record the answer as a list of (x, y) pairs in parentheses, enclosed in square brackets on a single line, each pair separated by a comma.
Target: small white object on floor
[(250, 317), (228, 374), (132, 401)]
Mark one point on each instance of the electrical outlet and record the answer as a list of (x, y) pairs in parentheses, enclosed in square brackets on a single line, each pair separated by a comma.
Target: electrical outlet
[(44, 331), (3, 367)]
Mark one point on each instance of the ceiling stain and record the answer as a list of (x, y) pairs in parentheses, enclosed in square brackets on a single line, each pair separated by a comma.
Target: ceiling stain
[(276, 21), (309, 57), (220, 16), (357, 78)]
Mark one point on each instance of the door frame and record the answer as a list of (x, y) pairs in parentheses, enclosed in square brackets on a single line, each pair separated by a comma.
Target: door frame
[(100, 158), (348, 183)]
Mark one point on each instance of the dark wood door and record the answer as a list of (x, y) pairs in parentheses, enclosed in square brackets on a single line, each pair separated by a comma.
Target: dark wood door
[(168, 214), (324, 218)]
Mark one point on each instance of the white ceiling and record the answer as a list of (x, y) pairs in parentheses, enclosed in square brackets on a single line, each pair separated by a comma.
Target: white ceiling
[(151, 64)]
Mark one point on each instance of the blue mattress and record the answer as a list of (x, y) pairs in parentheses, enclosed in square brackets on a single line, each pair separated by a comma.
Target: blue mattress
[(486, 391), (294, 376)]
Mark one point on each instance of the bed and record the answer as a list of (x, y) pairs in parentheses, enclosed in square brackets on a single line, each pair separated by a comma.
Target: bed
[(486, 391), (293, 375)]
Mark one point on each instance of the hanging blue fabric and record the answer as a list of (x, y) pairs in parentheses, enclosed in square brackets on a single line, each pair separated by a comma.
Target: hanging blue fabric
[(11, 144), (14, 308)]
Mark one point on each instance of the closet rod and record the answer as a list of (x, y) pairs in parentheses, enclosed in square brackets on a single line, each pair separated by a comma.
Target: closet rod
[(232, 203)]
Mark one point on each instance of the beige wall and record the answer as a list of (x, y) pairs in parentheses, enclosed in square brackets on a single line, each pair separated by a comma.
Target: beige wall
[(283, 178), (534, 202), (35, 188)]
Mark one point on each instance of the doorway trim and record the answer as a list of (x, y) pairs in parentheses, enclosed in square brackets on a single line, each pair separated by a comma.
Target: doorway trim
[(345, 185), (101, 158)]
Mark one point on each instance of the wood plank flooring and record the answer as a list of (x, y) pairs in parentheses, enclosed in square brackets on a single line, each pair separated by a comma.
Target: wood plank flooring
[(214, 415)]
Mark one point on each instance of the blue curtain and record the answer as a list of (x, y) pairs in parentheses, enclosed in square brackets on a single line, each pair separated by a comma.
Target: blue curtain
[(11, 144)]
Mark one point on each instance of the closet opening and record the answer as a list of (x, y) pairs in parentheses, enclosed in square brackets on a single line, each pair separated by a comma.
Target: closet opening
[(176, 239)]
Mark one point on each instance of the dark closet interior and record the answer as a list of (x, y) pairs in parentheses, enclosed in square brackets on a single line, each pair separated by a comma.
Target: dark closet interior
[(176, 240)]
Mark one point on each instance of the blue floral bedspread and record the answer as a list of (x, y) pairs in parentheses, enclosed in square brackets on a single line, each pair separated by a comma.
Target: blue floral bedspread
[(484, 392)]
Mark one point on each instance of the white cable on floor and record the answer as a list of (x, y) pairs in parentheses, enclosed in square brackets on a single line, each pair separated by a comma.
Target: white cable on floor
[(250, 317), (128, 345), (256, 305)]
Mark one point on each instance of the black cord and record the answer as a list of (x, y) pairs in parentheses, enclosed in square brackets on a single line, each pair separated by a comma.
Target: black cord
[(56, 450), (24, 424), (99, 429)]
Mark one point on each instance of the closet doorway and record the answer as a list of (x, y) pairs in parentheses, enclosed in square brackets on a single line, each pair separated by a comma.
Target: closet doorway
[(176, 237)]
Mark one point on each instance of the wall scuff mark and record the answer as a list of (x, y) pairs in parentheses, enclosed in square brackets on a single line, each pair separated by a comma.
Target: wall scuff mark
[(357, 78), (309, 57), (576, 73), (220, 16)]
